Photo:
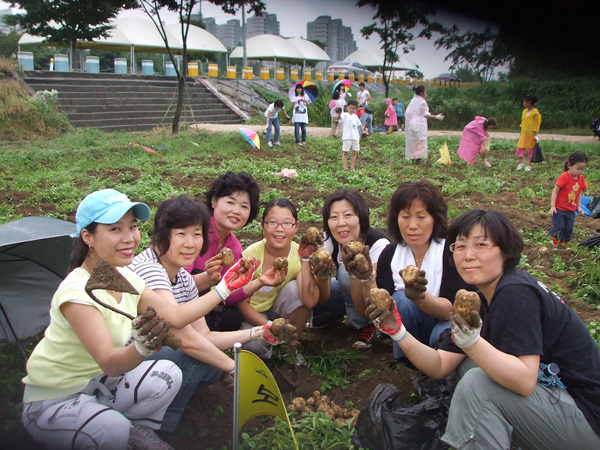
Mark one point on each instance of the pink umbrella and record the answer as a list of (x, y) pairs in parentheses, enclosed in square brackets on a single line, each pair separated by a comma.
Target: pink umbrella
[(346, 83), (251, 136)]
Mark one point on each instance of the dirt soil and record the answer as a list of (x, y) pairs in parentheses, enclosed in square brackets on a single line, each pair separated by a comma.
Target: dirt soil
[(207, 420)]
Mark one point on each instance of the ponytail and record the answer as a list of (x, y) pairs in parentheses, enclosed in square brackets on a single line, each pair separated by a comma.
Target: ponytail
[(576, 157), (80, 249)]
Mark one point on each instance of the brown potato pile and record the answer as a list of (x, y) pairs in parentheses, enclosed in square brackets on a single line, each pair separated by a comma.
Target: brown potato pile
[(410, 274), (280, 263), (321, 403), (381, 298), (465, 302), (227, 256)]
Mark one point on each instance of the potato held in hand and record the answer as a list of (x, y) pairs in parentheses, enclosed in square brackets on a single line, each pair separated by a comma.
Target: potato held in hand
[(280, 263), (283, 330), (410, 274), (380, 298), (465, 302), (354, 247), (314, 236), (227, 256), (321, 256)]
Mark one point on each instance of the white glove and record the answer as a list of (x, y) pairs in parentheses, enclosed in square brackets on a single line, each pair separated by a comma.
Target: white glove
[(439, 117), (463, 334), (537, 138)]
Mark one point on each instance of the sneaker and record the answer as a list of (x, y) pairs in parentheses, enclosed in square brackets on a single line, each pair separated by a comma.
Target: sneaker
[(520, 167), (554, 241), (365, 337), (487, 164), (269, 144), (277, 144), (527, 168), (144, 438)]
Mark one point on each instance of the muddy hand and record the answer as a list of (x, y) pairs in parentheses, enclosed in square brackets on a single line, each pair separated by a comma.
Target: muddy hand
[(151, 332), (416, 291), (387, 321)]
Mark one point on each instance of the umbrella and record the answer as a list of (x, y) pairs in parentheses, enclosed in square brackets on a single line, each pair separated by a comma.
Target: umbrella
[(251, 136), (310, 89), (345, 83), (34, 255)]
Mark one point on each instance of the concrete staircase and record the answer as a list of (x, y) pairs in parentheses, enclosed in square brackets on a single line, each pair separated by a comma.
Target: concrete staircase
[(113, 102)]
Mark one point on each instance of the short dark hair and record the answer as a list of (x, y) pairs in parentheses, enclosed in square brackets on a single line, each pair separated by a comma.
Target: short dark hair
[(335, 95), (394, 99), (353, 102), (358, 203), (279, 103), (530, 98), (489, 122), (281, 203), (231, 182), (433, 200), (178, 212), (361, 84), (498, 228), (418, 90)]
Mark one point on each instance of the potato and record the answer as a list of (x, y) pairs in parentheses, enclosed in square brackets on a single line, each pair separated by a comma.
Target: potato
[(354, 247), (316, 394), (245, 262), (314, 236), (297, 404), (282, 330), (362, 263), (227, 256), (310, 401), (465, 302), (280, 263), (410, 274), (381, 298), (321, 256), (277, 325)]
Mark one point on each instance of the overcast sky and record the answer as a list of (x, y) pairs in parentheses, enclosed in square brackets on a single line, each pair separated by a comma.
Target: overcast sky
[(293, 16)]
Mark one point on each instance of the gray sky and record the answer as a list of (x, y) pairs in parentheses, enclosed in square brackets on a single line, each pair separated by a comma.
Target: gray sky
[(293, 16)]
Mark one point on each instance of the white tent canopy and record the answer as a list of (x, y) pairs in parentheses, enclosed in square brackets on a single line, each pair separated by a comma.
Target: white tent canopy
[(142, 35), (374, 59), (272, 47)]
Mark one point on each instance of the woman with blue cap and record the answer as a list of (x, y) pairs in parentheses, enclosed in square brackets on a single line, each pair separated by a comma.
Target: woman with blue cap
[(86, 387)]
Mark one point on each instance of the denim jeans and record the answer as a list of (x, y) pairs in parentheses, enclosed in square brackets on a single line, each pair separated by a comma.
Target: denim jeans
[(562, 225), (297, 126), (423, 327), (340, 301), (273, 121), (366, 117), (196, 376)]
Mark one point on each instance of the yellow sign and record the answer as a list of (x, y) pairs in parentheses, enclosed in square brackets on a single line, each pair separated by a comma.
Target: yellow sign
[(258, 392)]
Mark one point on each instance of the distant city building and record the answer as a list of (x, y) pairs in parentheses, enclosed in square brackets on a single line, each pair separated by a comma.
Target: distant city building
[(230, 33), (210, 25), (338, 38), (267, 24), (3, 27)]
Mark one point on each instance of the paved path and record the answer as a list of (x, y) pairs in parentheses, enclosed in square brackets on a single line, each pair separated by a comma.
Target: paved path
[(324, 132)]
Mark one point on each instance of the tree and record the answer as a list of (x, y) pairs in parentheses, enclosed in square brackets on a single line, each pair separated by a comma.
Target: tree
[(394, 22), (184, 9), (318, 43), (66, 21), (482, 52), (9, 44)]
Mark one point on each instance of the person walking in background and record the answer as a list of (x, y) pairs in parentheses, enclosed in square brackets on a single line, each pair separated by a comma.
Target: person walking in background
[(351, 125), (417, 114), (473, 137), (566, 198), (363, 96), (399, 107), (531, 119), (300, 114), (272, 120), (336, 107), (391, 120)]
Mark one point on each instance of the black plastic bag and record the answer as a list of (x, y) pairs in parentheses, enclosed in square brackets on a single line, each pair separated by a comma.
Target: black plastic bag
[(593, 202), (537, 156), (595, 212), (591, 242), (388, 422)]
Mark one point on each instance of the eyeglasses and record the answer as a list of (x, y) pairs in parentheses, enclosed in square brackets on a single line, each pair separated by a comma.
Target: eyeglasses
[(284, 225), (477, 247)]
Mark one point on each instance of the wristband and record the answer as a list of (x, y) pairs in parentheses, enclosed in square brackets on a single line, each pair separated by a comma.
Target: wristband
[(222, 290), (143, 351), (305, 259), (370, 278), (400, 334)]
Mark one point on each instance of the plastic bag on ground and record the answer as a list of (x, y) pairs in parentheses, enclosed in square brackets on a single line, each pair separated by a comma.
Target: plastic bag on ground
[(389, 422), (444, 155)]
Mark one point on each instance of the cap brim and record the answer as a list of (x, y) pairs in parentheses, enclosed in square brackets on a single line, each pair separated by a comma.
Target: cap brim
[(114, 214)]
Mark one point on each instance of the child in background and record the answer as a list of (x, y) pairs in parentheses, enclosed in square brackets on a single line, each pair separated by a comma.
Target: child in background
[(530, 127), (390, 116), (566, 198), (336, 105), (350, 134), (272, 120), (300, 113), (399, 107), (344, 95)]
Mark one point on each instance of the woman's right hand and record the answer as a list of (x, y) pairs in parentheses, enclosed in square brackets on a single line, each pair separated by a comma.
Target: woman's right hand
[(213, 268), (273, 277), (236, 277)]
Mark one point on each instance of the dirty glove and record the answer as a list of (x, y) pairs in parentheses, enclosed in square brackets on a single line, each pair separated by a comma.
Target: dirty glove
[(324, 271), (263, 333), (386, 321), (151, 332), (464, 335), (359, 265), (238, 275), (308, 246), (416, 291)]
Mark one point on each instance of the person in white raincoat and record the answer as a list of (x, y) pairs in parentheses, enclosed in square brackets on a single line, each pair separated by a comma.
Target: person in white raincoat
[(417, 114)]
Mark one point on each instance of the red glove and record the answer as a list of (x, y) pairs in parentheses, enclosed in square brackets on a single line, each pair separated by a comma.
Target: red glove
[(263, 333), (236, 277), (386, 321)]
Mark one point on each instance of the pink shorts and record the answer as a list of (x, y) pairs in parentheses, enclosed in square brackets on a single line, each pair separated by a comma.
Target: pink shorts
[(521, 152)]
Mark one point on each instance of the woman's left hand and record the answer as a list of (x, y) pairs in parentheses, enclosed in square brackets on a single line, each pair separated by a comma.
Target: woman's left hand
[(273, 277), (213, 268)]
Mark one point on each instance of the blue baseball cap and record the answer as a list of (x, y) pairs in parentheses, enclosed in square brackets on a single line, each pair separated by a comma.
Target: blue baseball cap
[(107, 206)]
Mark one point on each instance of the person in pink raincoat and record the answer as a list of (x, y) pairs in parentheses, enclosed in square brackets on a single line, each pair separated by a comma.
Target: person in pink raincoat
[(391, 120), (473, 137)]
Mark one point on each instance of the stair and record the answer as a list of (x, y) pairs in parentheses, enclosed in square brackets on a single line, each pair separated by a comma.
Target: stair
[(114, 102)]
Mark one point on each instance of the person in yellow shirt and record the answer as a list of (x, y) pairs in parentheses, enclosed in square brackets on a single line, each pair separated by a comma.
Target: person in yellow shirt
[(530, 127)]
